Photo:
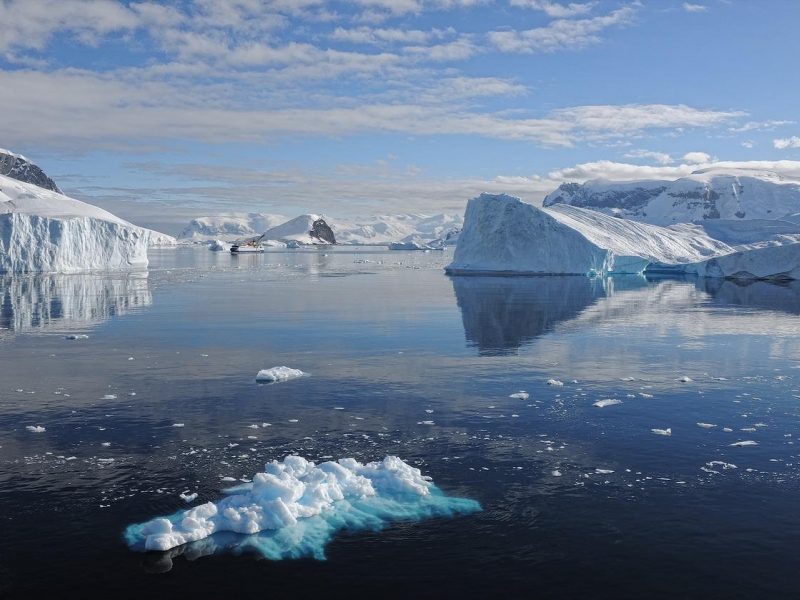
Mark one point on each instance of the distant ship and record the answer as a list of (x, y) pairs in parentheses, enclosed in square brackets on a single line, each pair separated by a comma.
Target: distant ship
[(237, 248)]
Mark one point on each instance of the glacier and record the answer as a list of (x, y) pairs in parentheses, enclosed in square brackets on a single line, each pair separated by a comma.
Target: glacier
[(503, 235), (44, 231)]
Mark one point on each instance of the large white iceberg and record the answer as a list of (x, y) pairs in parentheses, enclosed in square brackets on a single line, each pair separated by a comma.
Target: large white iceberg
[(299, 505), (502, 234), (43, 231)]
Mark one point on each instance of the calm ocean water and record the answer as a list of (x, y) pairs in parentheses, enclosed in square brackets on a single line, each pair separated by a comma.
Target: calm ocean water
[(578, 501)]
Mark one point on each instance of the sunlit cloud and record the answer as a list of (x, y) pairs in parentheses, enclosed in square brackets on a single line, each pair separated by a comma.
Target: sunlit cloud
[(556, 10), (791, 142)]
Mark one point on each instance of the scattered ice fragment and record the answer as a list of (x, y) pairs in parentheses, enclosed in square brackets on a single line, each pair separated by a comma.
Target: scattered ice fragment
[(278, 374), (554, 382), (177, 424), (228, 479), (188, 497), (748, 429), (293, 420), (706, 425), (643, 395), (109, 397), (74, 336), (727, 429), (667, 431), (745, 443), (521, 395), (425, 423), (684, 379), (556, 473), (722, 464), (35, 428), (428, 410), (105, 444), (760, 425), (603, 471), (608, 402), (628, 379)]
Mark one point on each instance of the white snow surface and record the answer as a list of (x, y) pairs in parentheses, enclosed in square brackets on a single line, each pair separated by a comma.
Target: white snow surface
[(46, 232), (296, 490), (502, 234), (229, 227), (278, 374)]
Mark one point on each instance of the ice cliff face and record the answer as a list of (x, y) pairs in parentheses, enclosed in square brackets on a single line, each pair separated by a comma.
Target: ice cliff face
[(20, 168), (727, 194), (42, 231), (502, 234)]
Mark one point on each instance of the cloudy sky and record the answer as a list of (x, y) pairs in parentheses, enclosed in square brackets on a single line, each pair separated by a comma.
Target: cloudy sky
[(164, 111)]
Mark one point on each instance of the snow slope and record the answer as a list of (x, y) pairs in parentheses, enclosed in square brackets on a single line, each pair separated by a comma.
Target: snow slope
[(502, 234), (47, 232), (716, 193)]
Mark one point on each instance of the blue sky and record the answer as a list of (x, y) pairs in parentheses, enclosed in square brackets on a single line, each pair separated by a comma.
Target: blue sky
[(165, 111)]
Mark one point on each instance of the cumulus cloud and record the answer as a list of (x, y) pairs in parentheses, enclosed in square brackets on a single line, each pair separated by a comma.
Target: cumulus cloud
[(696, 157), (783, 143)]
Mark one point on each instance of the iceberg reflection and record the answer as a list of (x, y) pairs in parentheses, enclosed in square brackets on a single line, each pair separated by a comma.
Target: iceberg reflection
[(500, 314), (68, 302), (783, 296)]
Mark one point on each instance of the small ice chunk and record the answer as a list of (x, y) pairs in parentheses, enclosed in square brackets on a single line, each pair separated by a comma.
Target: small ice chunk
[(603, 471), (105, 444), (556, 473), (667, 431), (177, 424), (643, 395), (684, 379), (188, 497), (520, 395), (278, 374), (727, 429), (706, 425), (745, 443), (109, 397), (425, 423), (35, 428), (554, 382), (74, 336), (607, 402)]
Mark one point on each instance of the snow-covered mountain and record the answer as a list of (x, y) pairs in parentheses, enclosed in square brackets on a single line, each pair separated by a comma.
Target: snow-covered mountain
[(502, 234), (379, 230), (229, 227), (710, 194), (43, 231), (20, 168)]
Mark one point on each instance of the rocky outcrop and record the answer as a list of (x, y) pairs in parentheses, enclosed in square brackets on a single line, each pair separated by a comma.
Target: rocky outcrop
[(20, 168), (320, 230)]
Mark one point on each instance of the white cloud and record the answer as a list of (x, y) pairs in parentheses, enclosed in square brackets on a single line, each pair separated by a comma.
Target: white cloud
[(563, 34), (614, 171), (748, 144), (660, 157), (792, 142), (555, 10), (694, 8), (696, 157)]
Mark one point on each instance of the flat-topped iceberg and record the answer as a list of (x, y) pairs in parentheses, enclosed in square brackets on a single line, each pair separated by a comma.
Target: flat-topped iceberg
[(43, 231), (502, 234), (296, 506)]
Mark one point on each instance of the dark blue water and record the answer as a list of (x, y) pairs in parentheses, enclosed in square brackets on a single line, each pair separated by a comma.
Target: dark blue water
[(579, 501)]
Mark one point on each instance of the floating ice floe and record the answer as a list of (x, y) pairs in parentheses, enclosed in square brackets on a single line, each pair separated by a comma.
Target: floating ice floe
[(603, 471), (520, 395), (706, 425), (608, 402), (554, 382), (295, 507), (35, 428), (745, 443), (684, 379), (278, 374), (188, 497), (667, 431), (556, 473), (74, 336)]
